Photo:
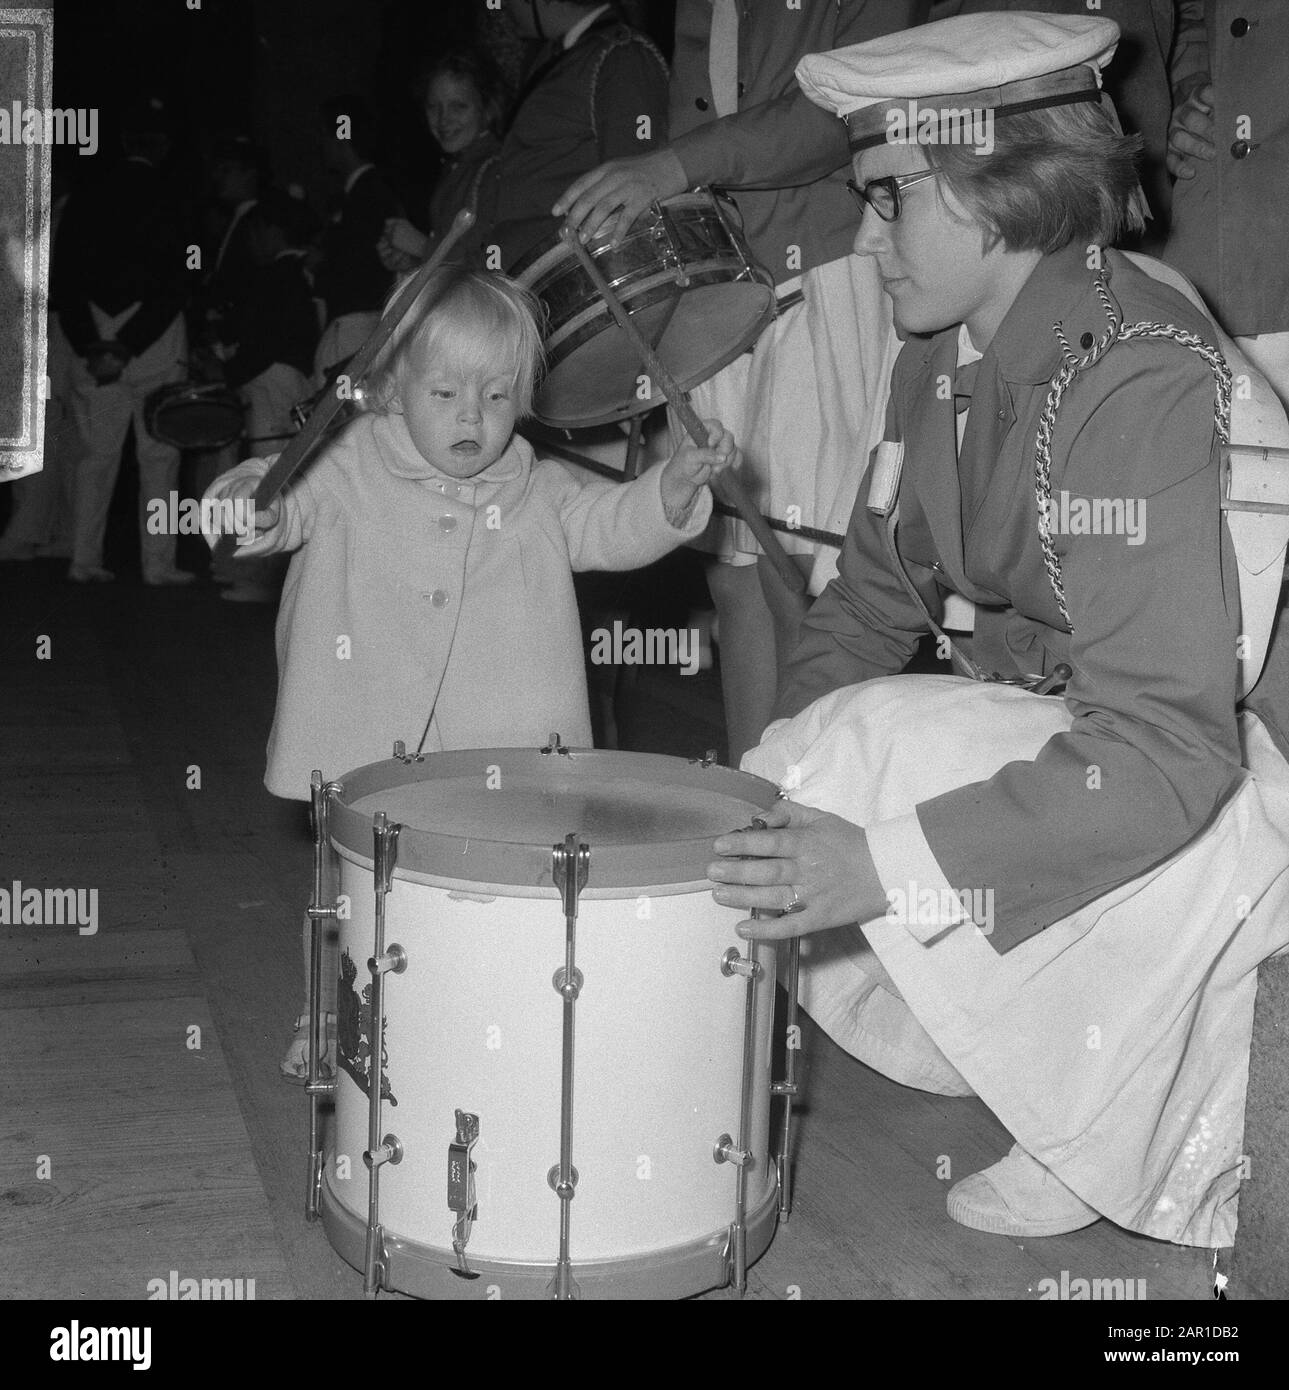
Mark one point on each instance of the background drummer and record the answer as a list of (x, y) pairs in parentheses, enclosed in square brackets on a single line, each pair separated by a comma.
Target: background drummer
[(121, 254), (807, 405)]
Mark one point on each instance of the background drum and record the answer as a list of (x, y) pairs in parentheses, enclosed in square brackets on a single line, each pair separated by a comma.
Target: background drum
[(194, 415), (684, 274), (672, 1027)]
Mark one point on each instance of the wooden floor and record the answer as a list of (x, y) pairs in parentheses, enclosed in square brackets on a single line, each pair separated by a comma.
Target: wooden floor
[(164, 1156)]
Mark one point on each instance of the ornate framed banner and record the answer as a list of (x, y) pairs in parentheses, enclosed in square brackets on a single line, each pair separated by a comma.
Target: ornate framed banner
[(28, 129)]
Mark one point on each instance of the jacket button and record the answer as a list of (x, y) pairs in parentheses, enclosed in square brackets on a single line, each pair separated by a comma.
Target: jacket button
[(447, 523), (1239, 27), (1241, 149), (439, 599), (1086, 341), (701, 103)]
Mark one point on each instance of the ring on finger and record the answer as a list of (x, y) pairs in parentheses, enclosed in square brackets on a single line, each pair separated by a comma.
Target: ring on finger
[(796, 904)]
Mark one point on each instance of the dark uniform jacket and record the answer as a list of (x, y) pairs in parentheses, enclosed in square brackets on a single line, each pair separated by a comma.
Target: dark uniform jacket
[(604, 98), (1153, 750), (276, 322), (779, 143), (351, 278), (121, 242), (1230, 233)]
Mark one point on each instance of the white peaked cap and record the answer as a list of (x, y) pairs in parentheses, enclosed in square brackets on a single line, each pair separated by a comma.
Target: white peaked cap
[(1014, 59)]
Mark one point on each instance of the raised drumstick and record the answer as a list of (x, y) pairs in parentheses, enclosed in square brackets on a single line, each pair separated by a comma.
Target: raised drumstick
[(725, 485), (289, 461)]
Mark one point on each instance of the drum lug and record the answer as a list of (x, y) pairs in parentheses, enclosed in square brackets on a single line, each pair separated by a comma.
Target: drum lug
[(555, 746), (663, 235), (318, 912), (732, 963), (724, 1151), (461, 1192), (707, 760), (390, 962), (389, 1150), (403, 756), (563, 988)]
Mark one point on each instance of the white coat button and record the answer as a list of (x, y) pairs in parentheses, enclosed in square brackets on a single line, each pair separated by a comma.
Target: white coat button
[(447, 523), (439, 599)]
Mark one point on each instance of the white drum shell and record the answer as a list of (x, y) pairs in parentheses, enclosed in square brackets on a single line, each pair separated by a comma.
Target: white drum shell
[(475, 1023)]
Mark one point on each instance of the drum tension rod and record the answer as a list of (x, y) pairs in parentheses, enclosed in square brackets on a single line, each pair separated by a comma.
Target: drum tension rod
[(725, 1149), (570, 869), (788, 1088), (382, 962), (318, 912)]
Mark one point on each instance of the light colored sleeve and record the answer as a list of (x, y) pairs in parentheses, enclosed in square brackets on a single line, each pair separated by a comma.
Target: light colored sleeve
[(226, 504), (617, 526)]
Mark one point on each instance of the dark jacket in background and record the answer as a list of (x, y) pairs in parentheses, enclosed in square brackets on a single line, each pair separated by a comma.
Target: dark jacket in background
[(122, 241), (352, 278), (276, 322)]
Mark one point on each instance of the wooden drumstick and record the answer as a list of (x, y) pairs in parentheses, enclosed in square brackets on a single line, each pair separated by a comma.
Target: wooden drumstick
[(724, 485), (290, 460)]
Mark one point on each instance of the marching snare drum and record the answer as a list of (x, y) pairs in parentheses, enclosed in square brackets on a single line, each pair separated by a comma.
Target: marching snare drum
[(194, 415), (646, 1081), (684, 274)]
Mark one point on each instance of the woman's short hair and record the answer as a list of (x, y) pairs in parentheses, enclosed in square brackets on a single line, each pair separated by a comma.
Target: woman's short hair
[(1057, 175), (468, 65), (473, 319)]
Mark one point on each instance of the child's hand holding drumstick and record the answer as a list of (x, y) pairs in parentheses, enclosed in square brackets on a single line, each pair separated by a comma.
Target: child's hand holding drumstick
[(690, 468)]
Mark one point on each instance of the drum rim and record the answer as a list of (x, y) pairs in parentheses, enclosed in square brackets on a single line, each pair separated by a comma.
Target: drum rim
[(553, 246), (529, 864)]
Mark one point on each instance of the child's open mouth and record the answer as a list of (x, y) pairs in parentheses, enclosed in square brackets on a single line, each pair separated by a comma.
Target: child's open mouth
[(465, 446)]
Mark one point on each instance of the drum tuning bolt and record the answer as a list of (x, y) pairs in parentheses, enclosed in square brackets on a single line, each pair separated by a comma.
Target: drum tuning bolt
[(732, 963), (390, 1150), (393, 961), (724, 1151)]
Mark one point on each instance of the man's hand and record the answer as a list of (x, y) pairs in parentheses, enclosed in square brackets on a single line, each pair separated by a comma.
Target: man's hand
[(610, 198), (690, 467), (1190, 133)]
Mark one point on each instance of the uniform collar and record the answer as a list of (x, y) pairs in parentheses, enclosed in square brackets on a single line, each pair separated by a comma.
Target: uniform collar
[(582, 25), (400, 456), (1059, 290)]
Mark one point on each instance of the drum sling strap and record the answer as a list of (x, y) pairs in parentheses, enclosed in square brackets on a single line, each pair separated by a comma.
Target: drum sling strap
[(888, 466)]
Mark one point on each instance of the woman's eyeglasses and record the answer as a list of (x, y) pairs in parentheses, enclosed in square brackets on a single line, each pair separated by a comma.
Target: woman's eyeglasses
[(883, 195)]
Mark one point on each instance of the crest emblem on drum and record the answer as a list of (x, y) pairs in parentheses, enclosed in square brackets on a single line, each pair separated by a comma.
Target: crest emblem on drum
[(353, 1040)]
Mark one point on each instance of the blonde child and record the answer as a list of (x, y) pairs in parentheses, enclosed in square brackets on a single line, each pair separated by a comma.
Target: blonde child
[(430, 598)]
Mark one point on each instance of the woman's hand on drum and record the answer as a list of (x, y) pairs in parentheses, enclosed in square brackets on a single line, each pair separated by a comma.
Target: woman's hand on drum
[(690, 467), (813, 867), (610, 198)]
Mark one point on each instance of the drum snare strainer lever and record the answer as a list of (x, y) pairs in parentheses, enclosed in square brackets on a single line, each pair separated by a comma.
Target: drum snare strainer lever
[(461, 1193)]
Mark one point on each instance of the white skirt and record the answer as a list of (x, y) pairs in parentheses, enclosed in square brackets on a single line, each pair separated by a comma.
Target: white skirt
[(1114, 1045), (806, 407)]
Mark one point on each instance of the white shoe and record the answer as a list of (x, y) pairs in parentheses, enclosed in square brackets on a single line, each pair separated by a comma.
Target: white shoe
[(1017, 1196), (168, 578)]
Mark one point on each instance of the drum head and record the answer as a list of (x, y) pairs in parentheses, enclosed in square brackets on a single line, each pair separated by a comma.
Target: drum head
[(491, 816), (706, 328)]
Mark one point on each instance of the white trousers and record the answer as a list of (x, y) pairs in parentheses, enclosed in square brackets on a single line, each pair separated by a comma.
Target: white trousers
[(1114, 1045), (103, 415)]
